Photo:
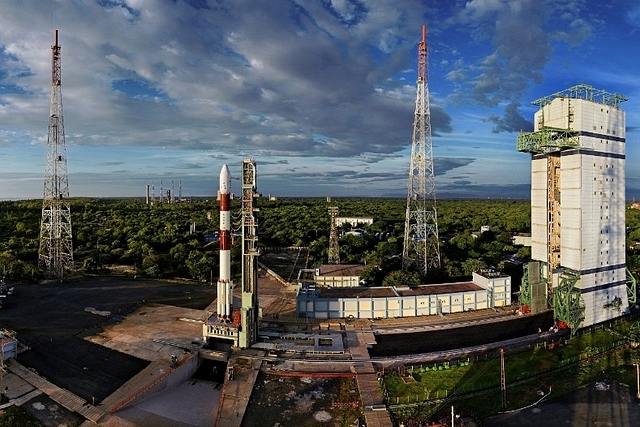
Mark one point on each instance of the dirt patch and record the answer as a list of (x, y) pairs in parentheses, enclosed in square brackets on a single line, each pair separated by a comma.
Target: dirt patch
[(303, 401)]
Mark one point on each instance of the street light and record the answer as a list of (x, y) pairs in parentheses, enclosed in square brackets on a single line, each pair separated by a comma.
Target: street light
[(2, 372), (637, 380)]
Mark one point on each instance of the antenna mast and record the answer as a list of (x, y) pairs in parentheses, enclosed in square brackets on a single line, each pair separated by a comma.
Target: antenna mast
[(421, 243), (56, 248)]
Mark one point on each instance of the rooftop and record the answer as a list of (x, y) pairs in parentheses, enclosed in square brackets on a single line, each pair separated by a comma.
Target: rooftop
[(341, 269), (388, 292), (583, 91), (445, 288), (359, 292)]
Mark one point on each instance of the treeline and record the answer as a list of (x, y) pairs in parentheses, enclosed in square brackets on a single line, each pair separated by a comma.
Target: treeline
[(168, 240)]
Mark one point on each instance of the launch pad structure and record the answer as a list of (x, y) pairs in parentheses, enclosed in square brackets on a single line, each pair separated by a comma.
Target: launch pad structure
[(238, 325)]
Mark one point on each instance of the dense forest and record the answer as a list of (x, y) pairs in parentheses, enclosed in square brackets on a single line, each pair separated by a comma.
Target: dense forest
[(170, 240)]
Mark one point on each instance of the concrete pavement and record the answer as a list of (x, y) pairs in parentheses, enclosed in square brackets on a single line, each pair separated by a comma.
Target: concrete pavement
[(237, 392)]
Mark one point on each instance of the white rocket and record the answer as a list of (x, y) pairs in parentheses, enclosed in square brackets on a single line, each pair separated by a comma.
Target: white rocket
[(225, 291)]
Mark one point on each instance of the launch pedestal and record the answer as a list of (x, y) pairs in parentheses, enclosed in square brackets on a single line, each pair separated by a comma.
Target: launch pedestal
[(222, 330)]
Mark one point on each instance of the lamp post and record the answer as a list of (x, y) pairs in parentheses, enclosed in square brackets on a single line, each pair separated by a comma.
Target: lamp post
[(2, 371), (453, 417), (637, 380)]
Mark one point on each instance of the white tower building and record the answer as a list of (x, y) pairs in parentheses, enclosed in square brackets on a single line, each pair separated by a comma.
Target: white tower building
[(577, 207)]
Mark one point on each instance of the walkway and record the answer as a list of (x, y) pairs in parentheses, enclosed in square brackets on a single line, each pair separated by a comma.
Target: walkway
[(375, 411), (237, 392), (60, 395)]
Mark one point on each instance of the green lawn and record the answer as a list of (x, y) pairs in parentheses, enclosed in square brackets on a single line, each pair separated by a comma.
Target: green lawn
[(424, 389)]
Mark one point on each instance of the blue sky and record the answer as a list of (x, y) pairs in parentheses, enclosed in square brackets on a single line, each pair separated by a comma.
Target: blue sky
[(321, 93)]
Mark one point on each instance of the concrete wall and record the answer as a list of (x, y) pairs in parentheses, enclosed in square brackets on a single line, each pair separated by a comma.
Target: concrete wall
[(188, 366)]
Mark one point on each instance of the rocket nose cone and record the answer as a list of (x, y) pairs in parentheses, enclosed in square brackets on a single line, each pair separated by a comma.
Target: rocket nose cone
[(225, 179)]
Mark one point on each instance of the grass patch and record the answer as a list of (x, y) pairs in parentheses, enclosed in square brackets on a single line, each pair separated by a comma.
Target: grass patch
[(473, 385), (440, 380), (16, 416)]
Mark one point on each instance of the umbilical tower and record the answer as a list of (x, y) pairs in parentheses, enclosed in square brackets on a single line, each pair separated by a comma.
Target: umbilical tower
[(250, 252)]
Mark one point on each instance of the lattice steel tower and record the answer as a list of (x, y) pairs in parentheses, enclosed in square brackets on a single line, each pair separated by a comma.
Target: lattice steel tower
[(421, 243), (56, 248), (334, 246)]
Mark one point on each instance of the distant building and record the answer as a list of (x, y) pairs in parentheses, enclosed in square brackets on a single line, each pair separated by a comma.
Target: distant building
[(353, 221), (483, 229), (338, 275), (522, 239), (486, 290)]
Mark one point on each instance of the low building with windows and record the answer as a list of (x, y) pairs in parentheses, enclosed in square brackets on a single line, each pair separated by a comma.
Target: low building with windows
[(338, 275), (487, 289)]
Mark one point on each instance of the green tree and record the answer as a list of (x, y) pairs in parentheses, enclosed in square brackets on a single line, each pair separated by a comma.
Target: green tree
[(402, 278), (524, 253), (151, 265), (472, 265), (200, 265)]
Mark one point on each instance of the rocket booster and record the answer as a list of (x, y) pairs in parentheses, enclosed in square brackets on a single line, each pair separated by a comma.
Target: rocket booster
[(225, 296)]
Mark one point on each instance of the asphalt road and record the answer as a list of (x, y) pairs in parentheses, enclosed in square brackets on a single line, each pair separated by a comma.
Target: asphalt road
[(52, 319), (600, 404)]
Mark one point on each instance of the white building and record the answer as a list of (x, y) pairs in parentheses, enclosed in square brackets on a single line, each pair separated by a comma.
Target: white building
[(578, 204), (487, 289), (522, 239), (338, 275), (353, 221)]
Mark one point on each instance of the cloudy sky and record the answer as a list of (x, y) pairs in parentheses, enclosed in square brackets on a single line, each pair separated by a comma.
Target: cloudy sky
[(321, 93)]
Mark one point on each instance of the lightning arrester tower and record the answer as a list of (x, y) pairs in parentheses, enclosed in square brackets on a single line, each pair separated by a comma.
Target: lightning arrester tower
[(334, 246), (421, 243), (56, 249)]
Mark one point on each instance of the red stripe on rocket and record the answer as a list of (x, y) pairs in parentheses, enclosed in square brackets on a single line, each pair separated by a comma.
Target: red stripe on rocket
[(225, 295)]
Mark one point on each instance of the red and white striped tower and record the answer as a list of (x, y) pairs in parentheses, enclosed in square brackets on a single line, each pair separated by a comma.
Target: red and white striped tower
[(225, 296)]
